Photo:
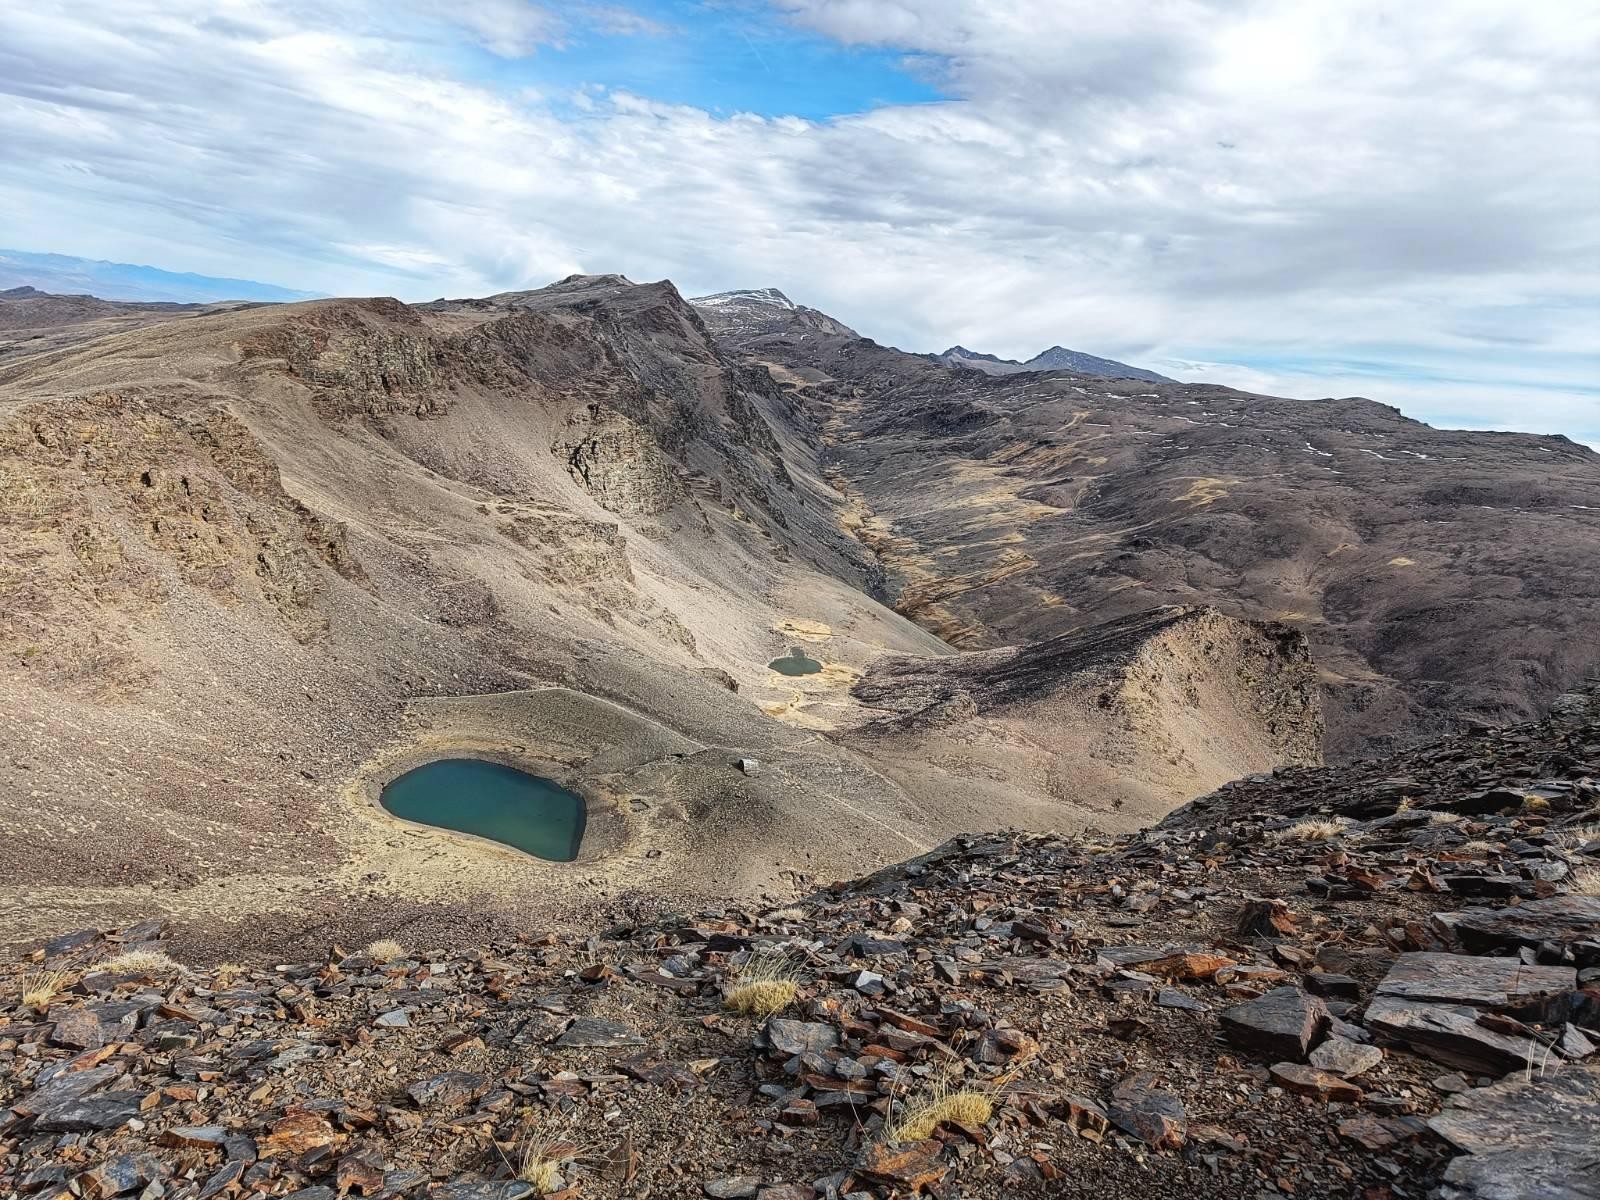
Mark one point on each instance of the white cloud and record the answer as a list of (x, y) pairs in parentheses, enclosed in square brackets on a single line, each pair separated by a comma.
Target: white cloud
[(1244, 180), (509, 28)]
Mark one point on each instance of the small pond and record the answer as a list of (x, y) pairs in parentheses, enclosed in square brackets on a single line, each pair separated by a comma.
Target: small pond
[(796, 664), (492, 801)]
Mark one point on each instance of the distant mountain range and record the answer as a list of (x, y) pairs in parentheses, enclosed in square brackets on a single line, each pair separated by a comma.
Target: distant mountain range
[(767, 310), (64, 274), (1057, 358)]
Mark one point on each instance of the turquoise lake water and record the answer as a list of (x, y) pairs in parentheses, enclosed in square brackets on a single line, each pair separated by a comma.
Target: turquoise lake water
[(501, 803)]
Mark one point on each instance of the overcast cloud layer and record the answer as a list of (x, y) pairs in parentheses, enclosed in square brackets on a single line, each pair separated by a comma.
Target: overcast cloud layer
[(1317, 197)]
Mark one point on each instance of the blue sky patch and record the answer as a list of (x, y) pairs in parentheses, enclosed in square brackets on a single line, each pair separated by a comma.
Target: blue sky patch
[(716, 57)]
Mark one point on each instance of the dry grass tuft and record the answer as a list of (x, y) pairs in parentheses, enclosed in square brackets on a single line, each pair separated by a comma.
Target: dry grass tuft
[(1535, 804), (1586, 881), (540, 1159), (1582, 834), (140, 962), (768, 983), (38, 990), (385, 950), (1309, 831), (941, 1101), (1444, 818), (1476, 848)]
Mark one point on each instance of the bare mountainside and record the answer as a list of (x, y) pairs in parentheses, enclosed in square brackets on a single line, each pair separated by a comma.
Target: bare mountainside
[(1440, 576), (255, 563)]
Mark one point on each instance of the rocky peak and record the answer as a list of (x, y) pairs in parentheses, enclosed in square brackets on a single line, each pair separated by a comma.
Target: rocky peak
[(749, 296), (765, 312)]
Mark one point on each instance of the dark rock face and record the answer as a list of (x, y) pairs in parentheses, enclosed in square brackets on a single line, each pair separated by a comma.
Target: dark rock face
[(1525, 1138), (1285, 1023), (1421, 563), (1498, 983), (1567, 921)]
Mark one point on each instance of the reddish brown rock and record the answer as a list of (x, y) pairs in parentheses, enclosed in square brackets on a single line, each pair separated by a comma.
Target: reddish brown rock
[(1153, 1116), (916, 1167), (1308, 1081)]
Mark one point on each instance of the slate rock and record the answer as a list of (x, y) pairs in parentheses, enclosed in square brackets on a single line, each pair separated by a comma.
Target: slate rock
[(1148, 1113), (1084, 1116), (194, 1137), (915, 1167), (1332, 987), (1525, 1139), (1515, 1175), (78, 1029), (788, 1038), (505, 1189), (1451, 1034), (1283, 1024), (452, 1089), (1309, 1081), (1495, 983), (1177, 998), (68, 942), (731, 1187), (1559, 920), (108, 1110), (113, 1177), (221, 1180), (598, 1033), (1344, 1057), (63, 1087)]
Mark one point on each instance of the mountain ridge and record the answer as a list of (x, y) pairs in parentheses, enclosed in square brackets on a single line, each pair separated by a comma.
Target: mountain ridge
[(1056, 358), (104, 280)]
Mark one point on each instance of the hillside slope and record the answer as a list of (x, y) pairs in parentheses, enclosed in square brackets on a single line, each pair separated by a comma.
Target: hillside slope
[(255, 563), (1402, 1000), (1439, 575)]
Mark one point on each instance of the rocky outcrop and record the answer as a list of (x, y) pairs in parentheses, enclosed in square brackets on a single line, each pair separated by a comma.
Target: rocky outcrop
[(617, 461), (119, 502), (359, 357), (1128, 713)]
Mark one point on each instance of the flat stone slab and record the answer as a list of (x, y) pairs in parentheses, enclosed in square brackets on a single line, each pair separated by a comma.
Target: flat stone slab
[(1309, 1081), (1450, 1034), (1497, 983), (598, 1033), (1560, 919), (1344, 1057), (451, 1089), (1525, 1139), (789, 1038)]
